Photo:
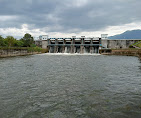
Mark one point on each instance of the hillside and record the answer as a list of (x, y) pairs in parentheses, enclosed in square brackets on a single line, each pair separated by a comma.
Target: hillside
[(133, 34)]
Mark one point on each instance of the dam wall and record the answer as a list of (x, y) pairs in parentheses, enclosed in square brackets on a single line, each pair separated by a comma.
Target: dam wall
[(118, 43), (71, 45)]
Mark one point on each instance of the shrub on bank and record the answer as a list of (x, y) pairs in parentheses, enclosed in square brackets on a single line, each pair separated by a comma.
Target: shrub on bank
[(34, 49), (37, 49)]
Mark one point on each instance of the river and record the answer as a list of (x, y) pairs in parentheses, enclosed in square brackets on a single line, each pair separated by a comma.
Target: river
[(70, 86)]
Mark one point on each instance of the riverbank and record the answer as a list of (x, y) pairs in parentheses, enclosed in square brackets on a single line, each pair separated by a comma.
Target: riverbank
[(11, 52), (124, 52)]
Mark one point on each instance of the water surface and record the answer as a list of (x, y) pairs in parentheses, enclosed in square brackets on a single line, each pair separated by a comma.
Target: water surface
[(70, 86)]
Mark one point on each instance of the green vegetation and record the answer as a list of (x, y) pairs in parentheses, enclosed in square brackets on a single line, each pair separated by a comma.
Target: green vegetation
[(30, 49), (10, 41), (27, 42), (138, 45), (34, 49)]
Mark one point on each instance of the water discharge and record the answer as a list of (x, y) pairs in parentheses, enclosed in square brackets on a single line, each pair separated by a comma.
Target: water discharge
[(70, 86)]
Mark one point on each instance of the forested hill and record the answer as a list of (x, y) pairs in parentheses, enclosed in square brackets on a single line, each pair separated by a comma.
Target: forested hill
[(133, 34)]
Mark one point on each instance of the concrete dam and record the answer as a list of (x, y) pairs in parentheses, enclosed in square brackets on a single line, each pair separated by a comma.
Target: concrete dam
[(72, 45), (82, 44)]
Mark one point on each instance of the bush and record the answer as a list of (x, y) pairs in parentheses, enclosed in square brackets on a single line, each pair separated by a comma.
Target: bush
[(34, 49)]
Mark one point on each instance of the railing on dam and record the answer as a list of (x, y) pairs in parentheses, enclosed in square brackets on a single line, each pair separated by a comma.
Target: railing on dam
[(74, 45), (89, 38)]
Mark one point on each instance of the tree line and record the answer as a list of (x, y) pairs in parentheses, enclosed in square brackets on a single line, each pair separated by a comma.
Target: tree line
[(10, 41)]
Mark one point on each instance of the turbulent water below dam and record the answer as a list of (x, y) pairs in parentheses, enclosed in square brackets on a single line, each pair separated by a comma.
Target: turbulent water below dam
[(70, 86)]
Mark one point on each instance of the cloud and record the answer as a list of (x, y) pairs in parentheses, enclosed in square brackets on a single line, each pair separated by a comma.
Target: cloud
[(7, 18), (19, 32), (16, 32), (65, 17)]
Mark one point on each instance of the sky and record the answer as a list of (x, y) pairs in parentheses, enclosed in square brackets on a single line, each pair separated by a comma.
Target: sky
[(66, 18)]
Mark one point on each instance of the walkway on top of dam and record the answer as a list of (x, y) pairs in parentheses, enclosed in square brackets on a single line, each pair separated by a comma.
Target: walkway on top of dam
[(74, 44), (82, 41), (87, 38)]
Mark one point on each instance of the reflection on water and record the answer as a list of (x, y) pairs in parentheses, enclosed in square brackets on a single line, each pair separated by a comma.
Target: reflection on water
[(70, 86)]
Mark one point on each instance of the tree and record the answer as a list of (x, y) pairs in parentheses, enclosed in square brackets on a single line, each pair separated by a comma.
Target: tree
[(2, 43), (19, 43), (27, 40), (9, 41)]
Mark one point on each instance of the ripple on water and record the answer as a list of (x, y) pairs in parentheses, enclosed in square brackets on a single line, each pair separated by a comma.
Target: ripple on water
[(70, 86)]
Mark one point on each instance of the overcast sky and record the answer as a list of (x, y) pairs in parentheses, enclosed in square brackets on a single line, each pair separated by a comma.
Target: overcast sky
[(64, 18)]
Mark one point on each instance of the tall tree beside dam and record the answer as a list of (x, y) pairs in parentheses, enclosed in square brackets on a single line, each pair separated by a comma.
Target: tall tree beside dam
[(27, 40)]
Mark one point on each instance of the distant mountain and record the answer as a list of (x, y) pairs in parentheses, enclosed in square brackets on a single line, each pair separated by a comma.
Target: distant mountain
[(133, 34)]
